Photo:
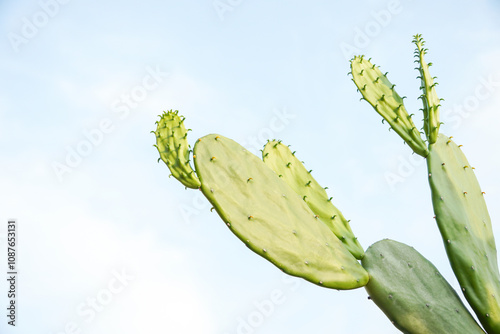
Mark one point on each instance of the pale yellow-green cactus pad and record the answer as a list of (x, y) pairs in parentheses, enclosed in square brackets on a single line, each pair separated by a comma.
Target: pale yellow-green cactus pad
[(284, 162), (270, 218)]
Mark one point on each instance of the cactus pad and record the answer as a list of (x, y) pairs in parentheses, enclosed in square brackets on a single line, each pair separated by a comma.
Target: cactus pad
[(430, 100), (412, 293), (465, 227), (280, 159), (270, 218), (171, 142), (379, 92)]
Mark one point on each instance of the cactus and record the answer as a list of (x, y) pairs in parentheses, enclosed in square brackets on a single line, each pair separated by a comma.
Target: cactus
[(284, 162), (412, 293), (277, 209), (458, 202)]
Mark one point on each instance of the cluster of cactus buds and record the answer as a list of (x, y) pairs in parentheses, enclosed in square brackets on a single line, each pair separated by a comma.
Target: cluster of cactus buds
[(279, 211)]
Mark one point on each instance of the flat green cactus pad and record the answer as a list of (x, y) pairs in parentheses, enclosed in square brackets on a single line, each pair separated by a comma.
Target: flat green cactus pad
[(270, 218), (412, 293), (280, 159), (465, 226), (380, 93)]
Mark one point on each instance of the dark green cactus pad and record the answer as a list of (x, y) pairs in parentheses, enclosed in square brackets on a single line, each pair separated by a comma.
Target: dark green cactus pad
[(171, 142), (270, 218), (430, 100), (412, 293), (379, 92), (280, 159), (465, 227)]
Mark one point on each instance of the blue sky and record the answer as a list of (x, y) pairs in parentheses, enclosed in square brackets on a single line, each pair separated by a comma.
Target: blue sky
[(101, 222)]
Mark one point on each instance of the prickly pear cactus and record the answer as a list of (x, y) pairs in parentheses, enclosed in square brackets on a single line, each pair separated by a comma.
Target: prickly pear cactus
[(457, 199), (281, 213), (412, 293), (284, 162), (270, 218)]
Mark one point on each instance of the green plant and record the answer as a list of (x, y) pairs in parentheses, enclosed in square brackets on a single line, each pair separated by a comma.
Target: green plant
[(280, 212), (458, 201)]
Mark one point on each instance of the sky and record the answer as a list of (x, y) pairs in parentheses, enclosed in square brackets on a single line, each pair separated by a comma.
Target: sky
[(107, 242)]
